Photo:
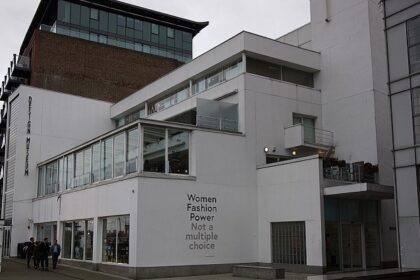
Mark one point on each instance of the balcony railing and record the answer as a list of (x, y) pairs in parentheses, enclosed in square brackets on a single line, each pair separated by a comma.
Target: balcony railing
[(217, 123), (20, 63), (356, 172), (300, 135)]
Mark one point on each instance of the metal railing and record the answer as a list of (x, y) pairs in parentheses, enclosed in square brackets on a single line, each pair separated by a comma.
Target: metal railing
[(350, 173), (317, 136), (217, 123)]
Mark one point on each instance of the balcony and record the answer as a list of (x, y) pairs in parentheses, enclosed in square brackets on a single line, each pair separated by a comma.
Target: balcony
[(12, 82), (20, 66), (357, 172), (308, 138), (5, 93)]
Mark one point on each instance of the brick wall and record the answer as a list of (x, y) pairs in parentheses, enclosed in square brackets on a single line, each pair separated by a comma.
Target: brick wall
[(89, 69)]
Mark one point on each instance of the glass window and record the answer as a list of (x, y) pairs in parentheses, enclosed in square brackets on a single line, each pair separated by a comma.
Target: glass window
[(96, 162), (138, 25), (89, 240), (233, 70), (414, 56), (84, 16), (171, 33), (87, 158), (112, 23), (41, 181), (63, 30), (103, 39), (129, 45), (147, 28), (93, 37), (119, 158), (132, 150), (138, 47), (67, 239), (121, 25), (138, 34), (61, 175), (199, 86), (178, 39), (163, 35), (78, 170), (215, 79), (79, 240), (178, 151), (413, 32), (70, 171), (154, 149), (121, 43), (112, 41), (75, 14), (74, 32), (94, 14), (129, 32), (106, 159), (146, 48), (84, 35), (103, 21), (63, 11), (297, 77), (155, 29), (130, 23), (116, 233)]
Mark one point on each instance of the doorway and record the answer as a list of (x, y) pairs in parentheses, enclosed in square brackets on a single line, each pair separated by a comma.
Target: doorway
[(351, 240)]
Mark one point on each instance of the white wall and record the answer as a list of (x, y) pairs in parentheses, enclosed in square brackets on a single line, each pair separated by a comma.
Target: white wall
[(58, 122), (288, 192)]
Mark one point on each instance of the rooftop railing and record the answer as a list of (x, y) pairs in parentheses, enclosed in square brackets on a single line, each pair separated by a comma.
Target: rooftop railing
[(359, 172)]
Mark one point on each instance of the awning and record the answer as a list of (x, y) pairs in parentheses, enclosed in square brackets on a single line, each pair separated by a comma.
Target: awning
[(361, 191)]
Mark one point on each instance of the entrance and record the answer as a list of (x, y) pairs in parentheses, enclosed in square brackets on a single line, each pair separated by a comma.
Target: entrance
[(352, 239), (351, 236)]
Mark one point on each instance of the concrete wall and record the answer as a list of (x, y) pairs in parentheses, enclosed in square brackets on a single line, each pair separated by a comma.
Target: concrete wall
[(58, 122), (301, 37), (352, 80), (284, 195)]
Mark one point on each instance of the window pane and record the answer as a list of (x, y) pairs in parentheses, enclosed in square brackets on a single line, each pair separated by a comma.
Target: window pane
[(106, 161), (123, 239), (112, 24), (84, 16), (413, 29), (178, 151), (199, 86), (109, 234), (155, 29), (146, 31), (86, 166), (79, 240), (94, 14), (171, 33), (75, 14), (41, 181), (84, 35), (130, 23), (297, 76), (119, 155), (162, 35), (103, 21), (67, 237), (138, 25), (129, 32), (154, 149), (61, 175), (178, 39), (132, 150), (63, 11), (89, 240), (414, 53), (78, 171), (96, 162), (93, 37), (70, 171)]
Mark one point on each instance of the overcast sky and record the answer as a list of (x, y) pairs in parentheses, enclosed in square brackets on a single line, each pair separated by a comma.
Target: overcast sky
[(271, 18)]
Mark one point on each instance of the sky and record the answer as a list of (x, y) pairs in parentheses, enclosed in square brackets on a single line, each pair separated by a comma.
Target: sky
[(270, 18)]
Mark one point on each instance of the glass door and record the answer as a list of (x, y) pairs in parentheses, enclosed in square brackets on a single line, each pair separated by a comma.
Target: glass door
[(351, 235)]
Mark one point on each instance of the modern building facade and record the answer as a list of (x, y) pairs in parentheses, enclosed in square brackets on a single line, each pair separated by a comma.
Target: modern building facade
[(402, 28), (258, 151), (70, 44)]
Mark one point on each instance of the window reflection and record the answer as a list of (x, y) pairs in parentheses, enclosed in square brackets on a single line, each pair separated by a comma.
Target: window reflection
[(116, 236), (178, 149), (154, 149)]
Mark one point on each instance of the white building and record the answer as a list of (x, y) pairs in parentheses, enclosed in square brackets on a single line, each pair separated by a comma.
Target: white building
[(258, 151)]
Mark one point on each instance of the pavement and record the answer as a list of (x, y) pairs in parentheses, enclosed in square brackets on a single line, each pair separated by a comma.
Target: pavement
[(15, 269)]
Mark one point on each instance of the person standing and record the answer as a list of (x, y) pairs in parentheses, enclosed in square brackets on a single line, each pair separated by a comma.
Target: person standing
[(55, 252), (44, 251), (29, 252), (36, 255)]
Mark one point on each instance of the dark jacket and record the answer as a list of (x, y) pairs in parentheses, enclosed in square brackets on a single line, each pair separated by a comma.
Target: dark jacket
[(44, 250), (36, 251), (30, 249)]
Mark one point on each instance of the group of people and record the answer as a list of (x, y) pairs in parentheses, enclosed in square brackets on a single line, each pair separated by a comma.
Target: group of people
[(40, 251)]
